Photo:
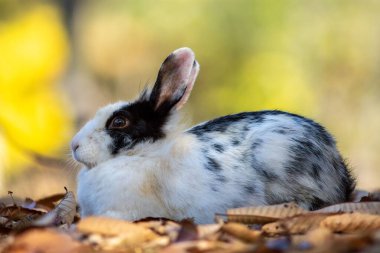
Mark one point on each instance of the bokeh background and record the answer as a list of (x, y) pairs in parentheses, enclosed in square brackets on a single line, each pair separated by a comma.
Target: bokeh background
[(62, 60)]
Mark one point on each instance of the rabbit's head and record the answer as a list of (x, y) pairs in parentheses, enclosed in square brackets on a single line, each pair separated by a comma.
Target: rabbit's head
[(118, 127)]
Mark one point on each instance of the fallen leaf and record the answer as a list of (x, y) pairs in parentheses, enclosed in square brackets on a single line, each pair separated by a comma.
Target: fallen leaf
[(299, 224), (320, 237), (187, 232), (263, 214), (352, 222), (242, 232), (50, 202), (361, 207), (66, 209), (45, 240), (205, 231), (63, 213), (17, 212), (25, 222), (132, 234), (207, 246)]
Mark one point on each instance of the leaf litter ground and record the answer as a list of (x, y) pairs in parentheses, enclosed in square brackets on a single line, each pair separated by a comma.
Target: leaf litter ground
[(52, 224)]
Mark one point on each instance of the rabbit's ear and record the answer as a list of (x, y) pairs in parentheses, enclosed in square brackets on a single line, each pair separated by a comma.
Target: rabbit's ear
[(175, 80)]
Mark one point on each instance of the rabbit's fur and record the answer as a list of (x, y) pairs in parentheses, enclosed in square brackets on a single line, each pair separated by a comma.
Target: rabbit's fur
[(137, 162)]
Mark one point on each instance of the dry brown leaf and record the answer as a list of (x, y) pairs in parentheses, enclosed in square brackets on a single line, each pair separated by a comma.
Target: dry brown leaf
[(361, 207), (63, 213), (352, 222), (156, 244), (249, 219), (50, 202), (162, 227), (66, 209), (25, 222), (320, 237), (299, 224), (207, 246), (152, 224), (242, 232), (205, 231), (45, 240), (17, 212), (263, 214), (131, 233), (356, 242), (187, 232)]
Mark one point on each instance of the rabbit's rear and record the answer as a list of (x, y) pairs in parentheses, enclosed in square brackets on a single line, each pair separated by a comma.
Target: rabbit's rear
[(276, 157)]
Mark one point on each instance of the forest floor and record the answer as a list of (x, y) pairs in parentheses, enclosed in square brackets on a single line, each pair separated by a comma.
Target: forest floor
[(52, 224)]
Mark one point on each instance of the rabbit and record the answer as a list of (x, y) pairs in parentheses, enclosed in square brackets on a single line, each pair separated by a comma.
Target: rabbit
[(138, 162)]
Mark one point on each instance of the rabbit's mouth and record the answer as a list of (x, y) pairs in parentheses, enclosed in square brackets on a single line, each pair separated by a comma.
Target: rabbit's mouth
[(88, 165)]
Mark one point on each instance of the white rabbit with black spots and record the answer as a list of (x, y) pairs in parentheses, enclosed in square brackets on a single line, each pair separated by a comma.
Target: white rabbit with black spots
[(138, 162)]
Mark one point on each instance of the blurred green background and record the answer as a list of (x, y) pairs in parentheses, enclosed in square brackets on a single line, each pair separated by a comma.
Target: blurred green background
[(62, 60)]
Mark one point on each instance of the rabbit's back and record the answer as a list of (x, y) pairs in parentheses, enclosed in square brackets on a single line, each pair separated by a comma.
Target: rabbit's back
[(273, 157)]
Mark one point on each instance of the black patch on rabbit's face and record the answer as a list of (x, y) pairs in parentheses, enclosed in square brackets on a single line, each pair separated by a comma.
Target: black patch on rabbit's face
[(144, 124)]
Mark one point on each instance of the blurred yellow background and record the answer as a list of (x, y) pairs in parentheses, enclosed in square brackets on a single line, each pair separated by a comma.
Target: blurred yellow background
[(62, 60)]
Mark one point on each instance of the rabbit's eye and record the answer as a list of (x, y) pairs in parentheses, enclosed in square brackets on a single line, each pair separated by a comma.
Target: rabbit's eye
[(119, 122)]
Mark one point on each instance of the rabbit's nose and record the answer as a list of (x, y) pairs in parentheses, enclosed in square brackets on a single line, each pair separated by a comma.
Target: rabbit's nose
[(74, 146)]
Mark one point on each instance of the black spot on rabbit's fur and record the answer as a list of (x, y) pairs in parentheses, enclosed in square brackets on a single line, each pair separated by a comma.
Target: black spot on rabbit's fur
[(347, 185), (218, 147), (315, 171), (317, 203), (256, 144), (282, 130), (212, 165), (214, 188), (249, 189), (267, 175), (303, 152), (224, 123), (221, 178), (204, 138), (220, 124), (235, 142), (318, 132), (279, 131)]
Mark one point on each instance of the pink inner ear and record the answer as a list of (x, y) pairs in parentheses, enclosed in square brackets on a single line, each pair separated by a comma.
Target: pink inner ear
[(190, 84), (178, 73)]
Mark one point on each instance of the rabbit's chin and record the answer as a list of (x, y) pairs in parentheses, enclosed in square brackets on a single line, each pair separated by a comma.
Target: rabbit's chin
[(88, 157), (86, 165)]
